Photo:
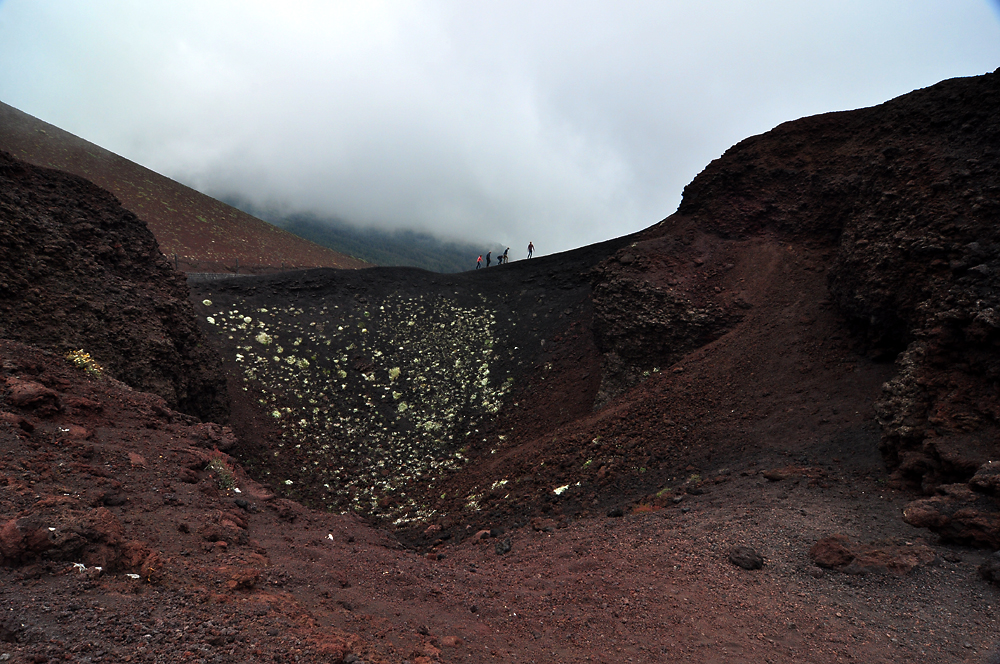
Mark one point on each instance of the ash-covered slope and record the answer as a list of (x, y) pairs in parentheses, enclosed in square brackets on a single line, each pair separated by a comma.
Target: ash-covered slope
[(757, 321), (908, 194), (735, 409), (198, 232), (82, 273), (376, 384)]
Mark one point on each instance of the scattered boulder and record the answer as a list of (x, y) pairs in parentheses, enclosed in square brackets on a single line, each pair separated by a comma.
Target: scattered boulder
[(33, 396), (746, 557), (76, 432), (244, 579), (831, 552), (838, 552), (134, 553), (61, 528), (152, 569), (451, 641), (226, 527), (213, 436), (958, 514), (542, 524), (17, 421), (987, 479), (502, 546)]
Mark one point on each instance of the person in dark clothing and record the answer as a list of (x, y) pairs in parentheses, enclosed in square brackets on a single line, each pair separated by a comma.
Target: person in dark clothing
[(488, 253), (504, 258), (479, 263), (531, 249)]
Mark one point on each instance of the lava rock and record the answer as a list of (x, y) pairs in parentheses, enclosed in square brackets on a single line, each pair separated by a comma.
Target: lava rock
[(958, 515), (33, 396), (987, 479), (746, 557), (61, 528), (831, 552), (898, 557)]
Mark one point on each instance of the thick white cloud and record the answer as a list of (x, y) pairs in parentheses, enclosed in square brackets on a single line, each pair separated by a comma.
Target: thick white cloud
[(560, 122)]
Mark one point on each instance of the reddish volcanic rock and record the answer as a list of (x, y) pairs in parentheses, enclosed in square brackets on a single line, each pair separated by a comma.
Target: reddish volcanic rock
[(831, 552), (33, 396), (60, 529), (839, 553), (904, 194), (987, 479), (81, 272), (958, 514), (990, 570)]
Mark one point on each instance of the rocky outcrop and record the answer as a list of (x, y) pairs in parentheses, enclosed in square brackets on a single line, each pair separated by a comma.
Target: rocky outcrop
[(82, 273), (958, 514), (990, 570), (60, 528), (643, 322), (841, 554), (908, 194)]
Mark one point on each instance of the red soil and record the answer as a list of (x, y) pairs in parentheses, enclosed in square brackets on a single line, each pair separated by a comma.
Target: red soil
[(762, 424)]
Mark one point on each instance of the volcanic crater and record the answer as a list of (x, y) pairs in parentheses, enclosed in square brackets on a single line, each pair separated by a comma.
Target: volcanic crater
[(762, 430)]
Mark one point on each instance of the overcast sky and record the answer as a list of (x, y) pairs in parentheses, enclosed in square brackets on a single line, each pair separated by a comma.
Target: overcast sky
[(563, 123)]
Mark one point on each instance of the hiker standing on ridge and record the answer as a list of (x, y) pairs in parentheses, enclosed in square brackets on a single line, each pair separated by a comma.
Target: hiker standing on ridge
[(531, 249), (488, 253), (479, 263), (503, 259)]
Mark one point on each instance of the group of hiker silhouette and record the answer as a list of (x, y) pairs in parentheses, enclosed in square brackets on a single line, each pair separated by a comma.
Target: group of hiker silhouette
[(502, 258)]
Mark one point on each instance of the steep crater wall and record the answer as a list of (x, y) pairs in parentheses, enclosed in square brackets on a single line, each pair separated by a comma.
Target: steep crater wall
[(908, 194), (367, 389), (82, 273)]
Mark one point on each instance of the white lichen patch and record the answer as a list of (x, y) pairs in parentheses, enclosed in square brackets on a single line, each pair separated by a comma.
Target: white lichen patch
[(362, 438)]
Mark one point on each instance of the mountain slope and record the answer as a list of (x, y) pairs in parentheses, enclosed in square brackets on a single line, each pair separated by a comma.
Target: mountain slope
[(760, 318), (389, 248), (196, 231), (81, 273), (665, 447)]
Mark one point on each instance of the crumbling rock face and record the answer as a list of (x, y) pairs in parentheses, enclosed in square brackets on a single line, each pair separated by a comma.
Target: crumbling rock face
[(839, 553), (959, 515), (652, 326), (60, 528), (33, 396), (81, 272), (642, 323), (909, 193), (987, 479)]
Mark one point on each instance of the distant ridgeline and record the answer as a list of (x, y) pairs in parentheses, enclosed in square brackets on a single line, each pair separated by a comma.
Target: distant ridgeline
[(399, 248)]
